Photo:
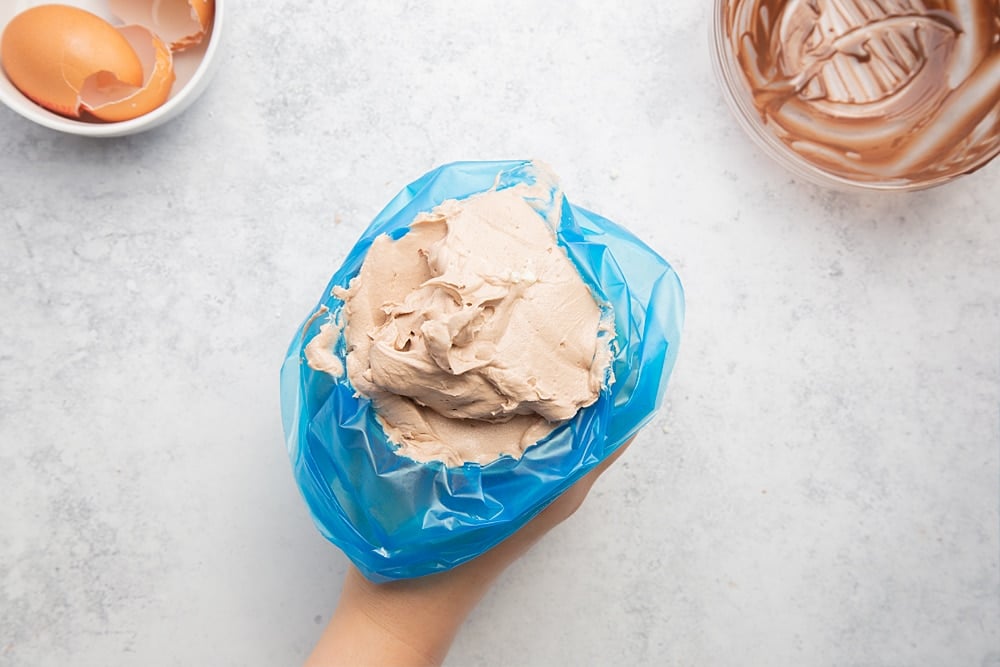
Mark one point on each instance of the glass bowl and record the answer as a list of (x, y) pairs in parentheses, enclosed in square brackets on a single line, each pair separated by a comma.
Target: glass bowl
[(898, 95)]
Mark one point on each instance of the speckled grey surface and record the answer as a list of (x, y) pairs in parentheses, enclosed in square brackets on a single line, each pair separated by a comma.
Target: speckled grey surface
[(820, 489)]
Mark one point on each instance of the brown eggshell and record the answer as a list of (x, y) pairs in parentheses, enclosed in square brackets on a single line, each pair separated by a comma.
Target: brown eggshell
[(118, 104), (181, 23), (50, 51)]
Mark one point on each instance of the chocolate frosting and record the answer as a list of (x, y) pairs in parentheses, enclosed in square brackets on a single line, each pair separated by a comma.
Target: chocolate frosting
[(473, 334)]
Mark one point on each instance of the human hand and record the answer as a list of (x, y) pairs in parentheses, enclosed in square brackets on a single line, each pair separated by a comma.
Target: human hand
[(413, 621)]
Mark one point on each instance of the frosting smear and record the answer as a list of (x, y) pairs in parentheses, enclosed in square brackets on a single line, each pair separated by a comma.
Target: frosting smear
[(473, 334)]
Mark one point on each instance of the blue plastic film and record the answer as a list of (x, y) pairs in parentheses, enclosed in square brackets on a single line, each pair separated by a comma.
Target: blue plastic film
[(396, 518)]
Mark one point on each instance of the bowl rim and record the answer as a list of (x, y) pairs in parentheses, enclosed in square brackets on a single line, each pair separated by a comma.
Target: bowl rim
[(24, 107)]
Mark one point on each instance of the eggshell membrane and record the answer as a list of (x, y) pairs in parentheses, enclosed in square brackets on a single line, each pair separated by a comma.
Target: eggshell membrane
[(85, 46), (157, 63), (181, 23)]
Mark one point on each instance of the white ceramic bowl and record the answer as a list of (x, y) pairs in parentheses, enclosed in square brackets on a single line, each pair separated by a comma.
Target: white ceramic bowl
[(193, 68)]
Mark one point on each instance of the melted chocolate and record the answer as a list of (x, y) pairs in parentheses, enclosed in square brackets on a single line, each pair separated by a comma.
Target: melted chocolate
[(879, 91)]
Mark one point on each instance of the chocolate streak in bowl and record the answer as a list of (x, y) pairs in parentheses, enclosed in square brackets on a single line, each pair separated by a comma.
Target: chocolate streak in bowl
[(880, 93)]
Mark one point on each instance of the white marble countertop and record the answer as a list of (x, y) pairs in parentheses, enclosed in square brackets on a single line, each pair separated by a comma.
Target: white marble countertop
[(821, 487)]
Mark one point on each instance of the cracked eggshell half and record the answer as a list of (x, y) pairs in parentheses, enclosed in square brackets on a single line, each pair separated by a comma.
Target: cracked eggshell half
[(158, 72), (51, 52), (180, 23), (112, 112)]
